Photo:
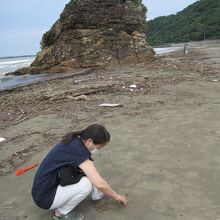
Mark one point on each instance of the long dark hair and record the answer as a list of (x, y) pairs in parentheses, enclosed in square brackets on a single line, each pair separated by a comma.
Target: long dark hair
[(98, 133)]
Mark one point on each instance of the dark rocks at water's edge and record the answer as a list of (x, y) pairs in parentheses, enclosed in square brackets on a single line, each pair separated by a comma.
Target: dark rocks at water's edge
[(94, 33)]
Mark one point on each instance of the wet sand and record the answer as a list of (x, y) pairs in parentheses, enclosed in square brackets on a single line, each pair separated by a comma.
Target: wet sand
[(164, 153)]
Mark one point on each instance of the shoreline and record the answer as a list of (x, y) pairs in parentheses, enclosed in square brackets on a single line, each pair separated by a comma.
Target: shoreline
[(13, 81), (38, 78)]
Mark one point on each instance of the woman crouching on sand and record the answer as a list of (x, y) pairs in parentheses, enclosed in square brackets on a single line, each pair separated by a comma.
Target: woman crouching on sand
[(67, 174)]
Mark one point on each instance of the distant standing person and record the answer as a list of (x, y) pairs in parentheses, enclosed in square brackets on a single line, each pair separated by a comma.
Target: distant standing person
[(186, 49), (73, 151)]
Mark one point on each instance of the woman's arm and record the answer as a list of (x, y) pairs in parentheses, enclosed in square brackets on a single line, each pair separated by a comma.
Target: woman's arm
[(89, 169)]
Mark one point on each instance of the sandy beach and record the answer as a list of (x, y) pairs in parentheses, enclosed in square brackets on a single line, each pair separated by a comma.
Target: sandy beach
[(164, 153)]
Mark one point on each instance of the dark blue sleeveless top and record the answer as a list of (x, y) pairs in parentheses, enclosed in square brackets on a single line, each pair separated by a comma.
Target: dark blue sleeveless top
[(46, 179)]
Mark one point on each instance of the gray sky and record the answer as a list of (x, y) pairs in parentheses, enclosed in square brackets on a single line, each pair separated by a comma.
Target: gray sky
[(158, 8), (23, 22)]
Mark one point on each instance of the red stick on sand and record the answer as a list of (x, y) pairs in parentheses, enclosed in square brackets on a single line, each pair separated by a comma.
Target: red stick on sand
[(22, 170)]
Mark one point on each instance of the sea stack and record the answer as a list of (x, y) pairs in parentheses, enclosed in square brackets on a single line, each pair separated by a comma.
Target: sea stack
[(94, 33)]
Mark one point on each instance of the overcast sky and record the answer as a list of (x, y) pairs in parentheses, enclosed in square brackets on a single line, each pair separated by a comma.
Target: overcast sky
[(23, 22)]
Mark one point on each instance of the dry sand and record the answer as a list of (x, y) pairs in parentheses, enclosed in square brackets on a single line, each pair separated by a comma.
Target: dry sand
[(164, 153)]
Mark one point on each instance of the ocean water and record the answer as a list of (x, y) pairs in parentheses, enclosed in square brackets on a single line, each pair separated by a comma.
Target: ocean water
[(12, 64)]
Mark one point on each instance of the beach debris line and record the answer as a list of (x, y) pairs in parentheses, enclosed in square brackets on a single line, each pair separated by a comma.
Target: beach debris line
[(23, 170), (110, 105)]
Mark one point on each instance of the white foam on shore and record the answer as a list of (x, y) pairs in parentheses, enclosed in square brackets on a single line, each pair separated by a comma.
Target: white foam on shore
[(163, 50), (12, 64)]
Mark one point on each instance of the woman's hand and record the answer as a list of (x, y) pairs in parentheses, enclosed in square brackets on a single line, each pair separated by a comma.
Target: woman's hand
[(121, 199), (90, 170)]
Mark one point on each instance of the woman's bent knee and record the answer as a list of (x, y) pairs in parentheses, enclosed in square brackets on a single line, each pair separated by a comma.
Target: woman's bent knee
[(87, 185)]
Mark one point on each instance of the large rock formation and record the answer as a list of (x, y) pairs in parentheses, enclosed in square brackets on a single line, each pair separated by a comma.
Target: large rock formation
[(92, 33)]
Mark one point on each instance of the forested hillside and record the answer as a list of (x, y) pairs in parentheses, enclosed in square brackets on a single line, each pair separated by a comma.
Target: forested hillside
[(198, 21)]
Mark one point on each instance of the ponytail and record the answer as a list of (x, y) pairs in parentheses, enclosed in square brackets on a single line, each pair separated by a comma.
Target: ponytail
[(70, 136)]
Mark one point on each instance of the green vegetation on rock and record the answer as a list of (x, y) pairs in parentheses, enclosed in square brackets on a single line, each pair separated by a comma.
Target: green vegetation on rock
[(198, 21)]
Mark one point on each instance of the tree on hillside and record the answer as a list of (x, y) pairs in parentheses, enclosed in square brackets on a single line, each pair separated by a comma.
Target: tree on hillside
[(198, 21)]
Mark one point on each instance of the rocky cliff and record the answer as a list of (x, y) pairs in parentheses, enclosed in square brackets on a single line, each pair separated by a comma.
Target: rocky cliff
[(94, 33)]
